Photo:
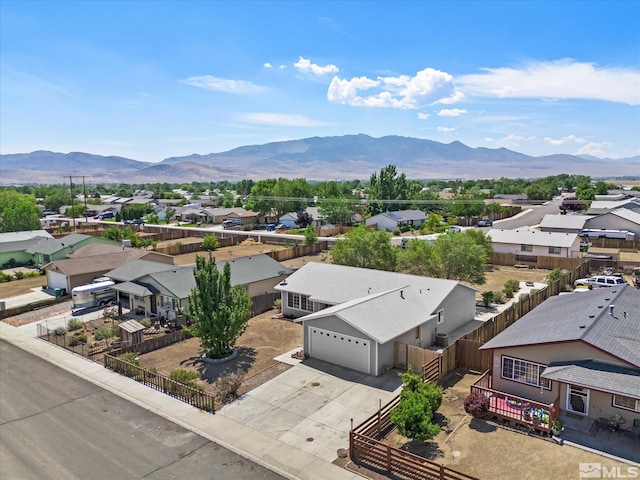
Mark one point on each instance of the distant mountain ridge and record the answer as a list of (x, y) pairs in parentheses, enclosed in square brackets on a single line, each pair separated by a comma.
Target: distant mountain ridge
[(315, 158)]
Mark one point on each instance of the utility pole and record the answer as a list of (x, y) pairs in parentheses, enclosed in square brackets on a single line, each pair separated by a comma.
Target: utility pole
[(73, 213), (84, 193)]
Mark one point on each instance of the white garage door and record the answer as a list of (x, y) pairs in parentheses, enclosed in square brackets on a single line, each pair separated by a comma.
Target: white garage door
[(56, 280), (340, 349)]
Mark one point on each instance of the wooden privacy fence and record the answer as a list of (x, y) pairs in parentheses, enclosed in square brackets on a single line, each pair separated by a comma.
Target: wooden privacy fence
[(155, 343), (192, 396), (548, 263), (366, 448), (405, 355), (452, 357), (469, 355)]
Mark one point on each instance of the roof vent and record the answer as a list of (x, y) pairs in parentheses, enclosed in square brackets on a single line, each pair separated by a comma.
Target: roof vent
[(611, 308), (582, 326), (401, 294)]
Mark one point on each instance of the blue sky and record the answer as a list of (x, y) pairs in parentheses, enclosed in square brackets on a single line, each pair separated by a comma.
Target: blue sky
[(150, 80)]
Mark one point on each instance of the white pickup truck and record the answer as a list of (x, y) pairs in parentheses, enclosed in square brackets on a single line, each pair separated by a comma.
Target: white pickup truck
[(601, 281)]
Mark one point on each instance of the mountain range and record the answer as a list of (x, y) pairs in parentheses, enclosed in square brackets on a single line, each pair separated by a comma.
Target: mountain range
[(317, 158)]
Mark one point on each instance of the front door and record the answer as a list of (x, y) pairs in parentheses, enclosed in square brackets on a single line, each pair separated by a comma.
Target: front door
[(577, 400)]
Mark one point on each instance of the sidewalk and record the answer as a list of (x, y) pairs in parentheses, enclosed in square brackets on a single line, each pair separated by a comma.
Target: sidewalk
[(279, 457)]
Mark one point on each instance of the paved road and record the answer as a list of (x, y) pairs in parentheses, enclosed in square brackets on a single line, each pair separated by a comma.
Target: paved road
[(54, 425), (532, 217)]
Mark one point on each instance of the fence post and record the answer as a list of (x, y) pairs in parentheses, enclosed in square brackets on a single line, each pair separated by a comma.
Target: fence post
[(441, 472), (389, 466)]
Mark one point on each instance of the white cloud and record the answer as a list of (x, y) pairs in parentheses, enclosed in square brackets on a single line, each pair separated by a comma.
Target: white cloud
[(427, 87), (451, 112), (594, 148), (267, 65), (565, 140), (446, 129), (423, 116), (282, 67), (564, 78), (280, 119), (210, 82), (510, 140), (305, 65)]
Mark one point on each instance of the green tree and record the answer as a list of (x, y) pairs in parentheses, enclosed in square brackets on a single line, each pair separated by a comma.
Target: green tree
[(456, 257), (55, 200), (387, 185), (419, 401), (554, 275), (310, 236), (210, 243), (585, 192), (18, 212), (337, 211), (365, 248), (433, 224), (169, 212), (112, 233), (220, 312)]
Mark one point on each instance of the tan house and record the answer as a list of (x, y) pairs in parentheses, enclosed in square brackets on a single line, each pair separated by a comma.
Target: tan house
[(576, 354)]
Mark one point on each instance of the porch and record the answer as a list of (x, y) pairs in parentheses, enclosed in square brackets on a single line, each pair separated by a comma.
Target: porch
[(519, 410)]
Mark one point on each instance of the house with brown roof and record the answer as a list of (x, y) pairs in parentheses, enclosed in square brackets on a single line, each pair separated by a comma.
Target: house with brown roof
[(93, 261)]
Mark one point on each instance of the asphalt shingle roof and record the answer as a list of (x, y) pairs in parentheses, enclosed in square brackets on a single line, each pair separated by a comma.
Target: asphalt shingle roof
[(596, 375), (567, 222), (585, 317), (52, 245), (136, 269), (529, 236), (368, 299)]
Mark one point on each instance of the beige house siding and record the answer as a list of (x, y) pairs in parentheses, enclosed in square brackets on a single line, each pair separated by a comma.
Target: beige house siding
[(599, 403)]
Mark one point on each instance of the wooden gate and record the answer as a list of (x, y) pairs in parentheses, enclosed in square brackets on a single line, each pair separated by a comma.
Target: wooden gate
[(405, 355)]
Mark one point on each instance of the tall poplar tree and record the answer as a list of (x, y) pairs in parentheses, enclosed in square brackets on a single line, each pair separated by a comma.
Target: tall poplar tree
[(219, 312)]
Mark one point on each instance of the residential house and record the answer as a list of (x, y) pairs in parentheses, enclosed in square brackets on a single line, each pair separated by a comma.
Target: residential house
[(599, 207), (576, 353), (618, 219), (50, 249), (564, 223), (390, 220), (93, 261), (290, 219), (162, 290), (353, 316), (14, 246), (528, 244)]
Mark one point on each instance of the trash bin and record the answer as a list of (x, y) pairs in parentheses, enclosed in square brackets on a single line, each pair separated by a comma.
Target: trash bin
[(58, 292), (64, 292), (442, 340)]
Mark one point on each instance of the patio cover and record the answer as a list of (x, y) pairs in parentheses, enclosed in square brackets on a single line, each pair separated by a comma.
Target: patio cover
[(136, 289), (596, 375)]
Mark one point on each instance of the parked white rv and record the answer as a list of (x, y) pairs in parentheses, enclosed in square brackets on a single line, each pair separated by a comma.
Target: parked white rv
[(93, 295)]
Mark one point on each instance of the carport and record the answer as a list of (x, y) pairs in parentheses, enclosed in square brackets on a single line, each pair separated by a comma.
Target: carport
[(140, 296)]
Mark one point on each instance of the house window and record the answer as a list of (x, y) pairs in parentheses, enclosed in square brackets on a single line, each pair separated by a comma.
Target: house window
[(138, 298), (299, 302), (440, 317), (627, 403), (524, 372), (555, 250), (168, 302), (526, 248)]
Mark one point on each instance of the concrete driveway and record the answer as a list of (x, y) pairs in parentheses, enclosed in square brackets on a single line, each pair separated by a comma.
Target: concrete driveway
[(310, 406)]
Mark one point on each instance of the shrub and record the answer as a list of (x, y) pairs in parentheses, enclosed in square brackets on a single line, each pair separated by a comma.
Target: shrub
[(146, 322), (511, 286), (227, 386), (187, 378), (60, 331), (102, 333), (74, 341), (74, 324), (19, 275), (554, 275), (397, 231), (82, 337), (497, 296), (278, 304), (5, 278), (210, 242), (131, 360), (487, 298), (477, 405)]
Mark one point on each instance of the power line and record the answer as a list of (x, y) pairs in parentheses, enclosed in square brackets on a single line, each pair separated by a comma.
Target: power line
[(359, 201)]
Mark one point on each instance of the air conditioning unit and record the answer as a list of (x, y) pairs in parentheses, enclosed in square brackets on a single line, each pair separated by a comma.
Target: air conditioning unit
[(442, 340)]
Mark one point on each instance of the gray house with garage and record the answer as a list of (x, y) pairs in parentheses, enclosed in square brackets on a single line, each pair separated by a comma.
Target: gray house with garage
[(353, 316)]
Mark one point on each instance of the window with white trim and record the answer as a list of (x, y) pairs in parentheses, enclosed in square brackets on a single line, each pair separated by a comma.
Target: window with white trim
[(524, 372), (627, 403), (168, 302), (555, 250), (299, 302), (526, 248)]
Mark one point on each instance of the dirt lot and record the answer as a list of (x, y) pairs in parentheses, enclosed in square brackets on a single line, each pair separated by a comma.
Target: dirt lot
[(481, 449), (18, 287), (264, 339), (244, 249)]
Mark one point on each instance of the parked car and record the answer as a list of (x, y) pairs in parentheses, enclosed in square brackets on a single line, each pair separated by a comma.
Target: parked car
[(598, 281), (230, 224), (282, 227), (485, 222), (271, 227), (454, 229)]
